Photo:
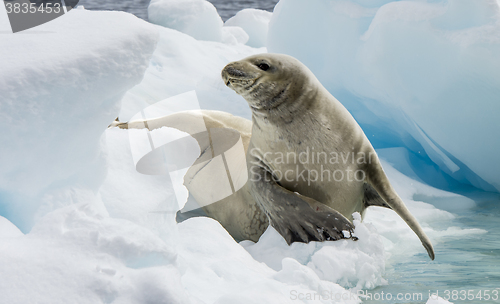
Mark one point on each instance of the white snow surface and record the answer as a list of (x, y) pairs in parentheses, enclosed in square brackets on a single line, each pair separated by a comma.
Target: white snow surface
[(7, 229), (255, 22), (60, 85), (420, 74), (97, 231), (197, 18), (358, 265)]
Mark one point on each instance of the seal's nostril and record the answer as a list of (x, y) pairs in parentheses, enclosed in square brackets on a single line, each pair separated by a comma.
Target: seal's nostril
[(234, 72), (228, 82)]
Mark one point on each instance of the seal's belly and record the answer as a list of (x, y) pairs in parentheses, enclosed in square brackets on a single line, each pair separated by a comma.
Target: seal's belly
[(334, 178)]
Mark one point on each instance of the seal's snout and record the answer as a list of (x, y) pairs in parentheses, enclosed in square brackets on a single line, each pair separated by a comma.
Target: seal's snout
[(234, 72), (231, 72)]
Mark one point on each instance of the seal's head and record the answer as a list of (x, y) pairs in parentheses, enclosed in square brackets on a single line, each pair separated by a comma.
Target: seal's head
[(267, 81)]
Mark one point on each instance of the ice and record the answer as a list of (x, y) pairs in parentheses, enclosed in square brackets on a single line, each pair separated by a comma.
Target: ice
[(437, 300), (234, 35), (7, 229), (255, 23), (60, 85), (181, 64), (144, 199), (94, 229), (352, 264), (417, 74), (212, 256), (197, 18), (79, 253)]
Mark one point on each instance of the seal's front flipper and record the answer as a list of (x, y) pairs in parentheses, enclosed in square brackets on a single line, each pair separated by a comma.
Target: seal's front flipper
[(296, 217), (372, 198)]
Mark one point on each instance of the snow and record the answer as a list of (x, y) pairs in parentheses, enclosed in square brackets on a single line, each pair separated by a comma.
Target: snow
[(182, 64), (255, 23), (352, 264), (197, 18), (55, 104), (7, 229), (78, 221), (79, 253), (234, 35), (423, 75)]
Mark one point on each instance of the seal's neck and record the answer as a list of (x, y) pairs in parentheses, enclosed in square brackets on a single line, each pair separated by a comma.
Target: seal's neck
[(288, 105)]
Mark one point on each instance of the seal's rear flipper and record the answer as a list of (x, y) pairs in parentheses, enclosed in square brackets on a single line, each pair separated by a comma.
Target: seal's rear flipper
[(379, 181), (296, 217), (372, 198)]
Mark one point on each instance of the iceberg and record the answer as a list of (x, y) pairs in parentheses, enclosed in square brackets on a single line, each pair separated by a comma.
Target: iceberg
[(182, 64), (7, 229), (197, 18), (255, 23), (423, 75), (61, 84)]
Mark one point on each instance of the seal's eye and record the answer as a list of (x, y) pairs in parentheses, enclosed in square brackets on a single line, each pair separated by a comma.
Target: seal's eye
[(263, 66)]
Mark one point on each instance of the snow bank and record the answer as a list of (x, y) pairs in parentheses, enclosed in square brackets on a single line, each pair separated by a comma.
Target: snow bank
[(255, 23), (60, 85), (7, 229), (221, 271), (352, 264), (197, 18), (234, 35), (79, 254), (200, 20), (417, 74)]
